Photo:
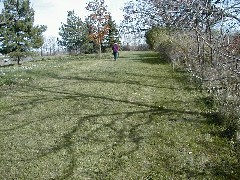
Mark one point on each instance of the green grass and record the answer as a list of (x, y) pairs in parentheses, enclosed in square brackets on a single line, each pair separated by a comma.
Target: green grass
[(84, 118)]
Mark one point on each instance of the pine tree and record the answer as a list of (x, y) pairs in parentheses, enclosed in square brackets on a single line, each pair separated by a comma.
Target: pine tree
[(18, 34), (113, 34), (74, 34)]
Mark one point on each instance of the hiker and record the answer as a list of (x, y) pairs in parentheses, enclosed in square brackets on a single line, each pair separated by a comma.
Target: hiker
[(115, 49)]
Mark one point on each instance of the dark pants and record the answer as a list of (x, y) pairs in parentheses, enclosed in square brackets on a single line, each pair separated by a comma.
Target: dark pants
[(115, 54)]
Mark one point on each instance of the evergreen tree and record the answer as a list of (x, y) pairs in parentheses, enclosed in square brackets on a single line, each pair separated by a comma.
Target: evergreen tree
[(113, 34), (17, 32), (2, 22), (74, 34)]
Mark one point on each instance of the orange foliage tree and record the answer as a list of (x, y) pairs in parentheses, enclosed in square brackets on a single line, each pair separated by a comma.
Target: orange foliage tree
[(98, 21)]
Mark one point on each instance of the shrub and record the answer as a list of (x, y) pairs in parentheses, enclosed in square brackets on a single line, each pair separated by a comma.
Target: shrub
[(159, 39)]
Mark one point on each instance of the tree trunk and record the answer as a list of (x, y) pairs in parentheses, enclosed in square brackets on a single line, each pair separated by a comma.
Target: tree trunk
[(18, 60), (100, 48)]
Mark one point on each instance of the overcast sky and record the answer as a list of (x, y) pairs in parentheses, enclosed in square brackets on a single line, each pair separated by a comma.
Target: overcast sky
[(53, 12)]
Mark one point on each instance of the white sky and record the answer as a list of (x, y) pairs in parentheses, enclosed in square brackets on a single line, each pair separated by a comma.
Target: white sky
[(52, 12)]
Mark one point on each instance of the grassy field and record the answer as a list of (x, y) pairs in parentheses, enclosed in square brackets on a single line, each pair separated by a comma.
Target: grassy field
[(84, 118)]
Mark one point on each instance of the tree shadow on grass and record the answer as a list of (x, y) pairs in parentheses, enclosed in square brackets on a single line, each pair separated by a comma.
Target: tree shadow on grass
[(217, 119), (68, 141), (133, 134), (114, 79), (151, 58), (55, 95)]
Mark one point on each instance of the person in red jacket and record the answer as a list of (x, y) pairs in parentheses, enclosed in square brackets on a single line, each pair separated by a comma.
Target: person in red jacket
[(115, 49)]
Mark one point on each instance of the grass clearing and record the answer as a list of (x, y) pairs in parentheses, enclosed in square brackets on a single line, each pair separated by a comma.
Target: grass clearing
[(84, 118)]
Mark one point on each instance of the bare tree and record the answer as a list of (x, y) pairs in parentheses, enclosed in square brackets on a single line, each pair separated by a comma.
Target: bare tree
[(204, 39), (50, 46), (98, 22)]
